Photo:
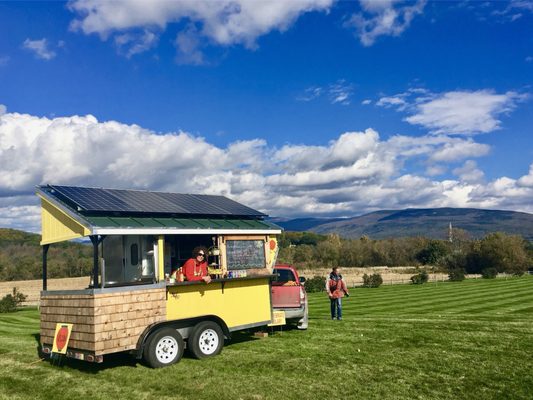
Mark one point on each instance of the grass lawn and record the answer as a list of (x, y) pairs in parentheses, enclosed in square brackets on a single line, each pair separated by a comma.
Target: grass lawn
[(467, 340)]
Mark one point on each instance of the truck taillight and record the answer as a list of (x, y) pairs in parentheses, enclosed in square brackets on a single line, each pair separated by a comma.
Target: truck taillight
[(302, 294)]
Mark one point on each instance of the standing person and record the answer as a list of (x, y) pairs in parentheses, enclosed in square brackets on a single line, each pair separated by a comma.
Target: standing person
[(336, 288), (195, 268)]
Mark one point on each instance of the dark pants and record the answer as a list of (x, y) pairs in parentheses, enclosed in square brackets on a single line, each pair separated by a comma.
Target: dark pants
[(336, 308)]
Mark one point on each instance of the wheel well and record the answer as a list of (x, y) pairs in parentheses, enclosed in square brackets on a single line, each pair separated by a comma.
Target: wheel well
[(181, 324)]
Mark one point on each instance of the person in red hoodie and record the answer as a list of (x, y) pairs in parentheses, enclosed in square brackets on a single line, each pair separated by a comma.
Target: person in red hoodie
[(336, 289), (195, 268)]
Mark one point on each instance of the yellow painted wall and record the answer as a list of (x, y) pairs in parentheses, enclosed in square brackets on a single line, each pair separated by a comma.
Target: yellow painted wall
[(58, 226), (242, 302)]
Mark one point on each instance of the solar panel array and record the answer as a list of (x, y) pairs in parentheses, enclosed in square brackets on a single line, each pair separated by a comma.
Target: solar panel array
[(98, 200)]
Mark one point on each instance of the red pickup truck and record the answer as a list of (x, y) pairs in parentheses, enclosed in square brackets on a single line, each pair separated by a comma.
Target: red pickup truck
[(288, 294)]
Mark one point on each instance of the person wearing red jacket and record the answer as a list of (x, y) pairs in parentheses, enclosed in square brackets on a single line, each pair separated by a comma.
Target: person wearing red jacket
[(195, 268), (336, 289)]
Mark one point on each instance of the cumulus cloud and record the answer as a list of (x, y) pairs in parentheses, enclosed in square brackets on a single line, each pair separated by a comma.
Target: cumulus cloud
[(354, 173), (456, 112), (383, 18), (40, 48), (225, 22), (469, 172), (527, 180)]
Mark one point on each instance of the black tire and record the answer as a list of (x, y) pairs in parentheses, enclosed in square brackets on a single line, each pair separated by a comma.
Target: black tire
[(206, 340), (165, 347)]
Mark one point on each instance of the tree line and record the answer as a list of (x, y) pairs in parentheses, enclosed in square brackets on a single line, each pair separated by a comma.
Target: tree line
[(21, 257), (502, 252), (21, 253)]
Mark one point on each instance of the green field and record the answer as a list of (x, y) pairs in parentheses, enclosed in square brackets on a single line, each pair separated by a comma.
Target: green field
[(467, 340)]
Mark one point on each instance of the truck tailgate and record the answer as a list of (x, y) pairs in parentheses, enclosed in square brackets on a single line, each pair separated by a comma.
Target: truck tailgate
[(285, 296)]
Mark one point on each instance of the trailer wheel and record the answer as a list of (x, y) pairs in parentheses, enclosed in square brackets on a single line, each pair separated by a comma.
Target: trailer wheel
[(165, 347), (206, 340)]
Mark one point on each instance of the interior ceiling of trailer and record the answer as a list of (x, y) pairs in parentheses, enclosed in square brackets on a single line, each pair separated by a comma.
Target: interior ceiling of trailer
[(118, 202)]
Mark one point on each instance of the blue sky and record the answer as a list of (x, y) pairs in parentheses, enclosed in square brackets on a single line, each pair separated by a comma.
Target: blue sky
[(301, 108)]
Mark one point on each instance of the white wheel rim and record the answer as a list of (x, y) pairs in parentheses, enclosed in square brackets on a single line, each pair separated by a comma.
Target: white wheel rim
[(208, 341), (166, 349)]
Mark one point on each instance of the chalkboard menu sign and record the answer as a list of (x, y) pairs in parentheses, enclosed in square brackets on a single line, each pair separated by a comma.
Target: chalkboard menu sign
[(245, 254)]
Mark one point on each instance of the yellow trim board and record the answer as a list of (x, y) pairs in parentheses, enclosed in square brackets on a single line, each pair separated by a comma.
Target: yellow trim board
[(57, 226)]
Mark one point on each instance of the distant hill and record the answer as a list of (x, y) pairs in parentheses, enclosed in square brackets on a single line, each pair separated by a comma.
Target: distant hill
[(302, 224), (21, 257), (429, 222)]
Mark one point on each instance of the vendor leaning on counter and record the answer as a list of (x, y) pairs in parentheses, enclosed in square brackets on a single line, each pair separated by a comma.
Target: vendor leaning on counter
[(195, 268)]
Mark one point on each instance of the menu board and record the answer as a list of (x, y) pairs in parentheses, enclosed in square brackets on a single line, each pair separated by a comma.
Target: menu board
[(245, 254)]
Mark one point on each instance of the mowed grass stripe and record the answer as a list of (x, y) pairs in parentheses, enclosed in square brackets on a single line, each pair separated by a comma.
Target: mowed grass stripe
[(461, 304), (388, 294), (381, 295), (452, 297)]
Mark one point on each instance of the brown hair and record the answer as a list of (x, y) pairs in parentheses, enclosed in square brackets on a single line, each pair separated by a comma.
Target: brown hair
[(197, 250)]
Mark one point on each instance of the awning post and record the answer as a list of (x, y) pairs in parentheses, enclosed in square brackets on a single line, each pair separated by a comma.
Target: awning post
[(96, 240), (45, 266)]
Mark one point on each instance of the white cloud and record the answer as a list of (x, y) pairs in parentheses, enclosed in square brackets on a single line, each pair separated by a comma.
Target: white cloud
[(3, 109), (469, 172), (41, 48), (366, 102), (456, 112), (339, 92), (435, 170), (188, 46), (225, 22), (527, 180), (356, 172), (383, 18), (310, 94), (130, 44), (455, 150), (397, 101), (464, 112), (514, 9)]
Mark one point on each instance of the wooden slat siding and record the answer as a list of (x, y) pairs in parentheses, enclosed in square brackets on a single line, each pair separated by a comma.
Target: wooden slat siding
[(104, 323)]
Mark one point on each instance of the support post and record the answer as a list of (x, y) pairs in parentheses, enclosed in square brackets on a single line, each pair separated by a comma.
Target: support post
[(45, 266), (96, 240)]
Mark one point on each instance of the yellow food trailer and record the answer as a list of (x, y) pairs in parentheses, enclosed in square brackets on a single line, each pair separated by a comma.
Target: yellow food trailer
[(139, 238)]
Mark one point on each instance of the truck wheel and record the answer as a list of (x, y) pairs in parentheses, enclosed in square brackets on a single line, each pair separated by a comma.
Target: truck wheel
[(206, 340), (165, 347)]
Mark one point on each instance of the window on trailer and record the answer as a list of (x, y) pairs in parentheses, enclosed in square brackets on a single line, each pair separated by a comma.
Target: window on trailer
[(128, 259)]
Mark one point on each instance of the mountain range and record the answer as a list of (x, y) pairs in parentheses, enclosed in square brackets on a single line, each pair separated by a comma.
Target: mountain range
[(428, 222)]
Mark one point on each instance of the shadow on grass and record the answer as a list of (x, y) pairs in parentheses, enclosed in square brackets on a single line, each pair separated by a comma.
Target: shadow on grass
[(122, 359)]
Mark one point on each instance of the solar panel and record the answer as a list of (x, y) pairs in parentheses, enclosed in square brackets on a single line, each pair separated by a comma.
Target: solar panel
[(99, 200)]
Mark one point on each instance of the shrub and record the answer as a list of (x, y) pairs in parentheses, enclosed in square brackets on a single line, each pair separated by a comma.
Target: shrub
[(420, 278), (315, 284), (456, 274), (489, 273), (10, 302), (374, 280)]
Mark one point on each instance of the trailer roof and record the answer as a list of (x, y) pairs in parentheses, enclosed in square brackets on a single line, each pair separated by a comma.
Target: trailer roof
[(70, 212), (100, 201)]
